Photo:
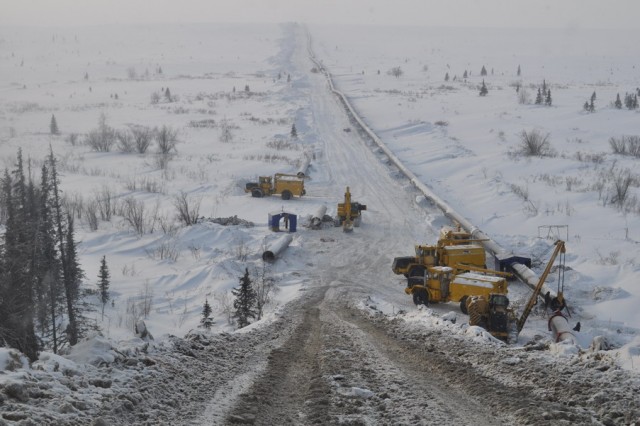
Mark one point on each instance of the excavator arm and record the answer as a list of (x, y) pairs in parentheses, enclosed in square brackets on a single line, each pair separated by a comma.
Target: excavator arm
[(536, 292)]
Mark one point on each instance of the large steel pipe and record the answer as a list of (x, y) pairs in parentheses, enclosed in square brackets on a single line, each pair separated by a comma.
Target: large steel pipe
[(517, 264), (276, 247), (302, 170), (559, 325), (316, 219)]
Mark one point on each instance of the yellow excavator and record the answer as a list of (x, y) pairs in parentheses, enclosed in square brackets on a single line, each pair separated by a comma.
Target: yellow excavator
[(349, 213)]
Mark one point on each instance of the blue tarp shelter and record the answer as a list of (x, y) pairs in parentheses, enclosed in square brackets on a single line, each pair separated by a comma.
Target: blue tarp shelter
[(283, 221)]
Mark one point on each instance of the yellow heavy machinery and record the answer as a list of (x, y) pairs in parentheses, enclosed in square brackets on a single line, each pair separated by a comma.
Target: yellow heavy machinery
[(491, 311), (455, 248), (284, 184), (349, 213), (442, 284)]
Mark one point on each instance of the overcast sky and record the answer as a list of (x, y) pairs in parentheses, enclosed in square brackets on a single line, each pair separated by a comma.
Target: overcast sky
[(483, 13)]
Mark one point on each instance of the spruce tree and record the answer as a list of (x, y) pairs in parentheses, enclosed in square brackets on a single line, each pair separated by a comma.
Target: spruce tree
[(618, 102), (547, 100), (245, 301), (539, 97), (446, 77), (206, 321), (47, 269), (294, 131), (103, 283), (483, 89), (75, 274), (17, 292), (483, 71), (593, 96), (68, 275), (465, 74), (518, 70), (53, 126), (586, 105), (167, 95)]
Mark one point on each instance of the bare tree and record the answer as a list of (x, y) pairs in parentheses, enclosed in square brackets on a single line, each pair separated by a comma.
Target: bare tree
[(225, 304), (132, 73), (133, 211), (167, 138), (91, 213), (621, 183), (524, 98), (188, 208), (264, 287), (125, 140), (225, 132), (142, 137), (102, 138), (146, 299), (106, 203)]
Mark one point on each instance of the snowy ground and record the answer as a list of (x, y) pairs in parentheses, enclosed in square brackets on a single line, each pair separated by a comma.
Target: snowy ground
[(327, 344)]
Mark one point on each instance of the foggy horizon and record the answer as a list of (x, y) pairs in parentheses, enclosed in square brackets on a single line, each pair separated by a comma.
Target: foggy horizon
[(568, 14)]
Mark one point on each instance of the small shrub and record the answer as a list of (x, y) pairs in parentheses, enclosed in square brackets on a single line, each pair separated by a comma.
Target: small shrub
[(103, 138), (188, 208), (72, 139), (524, 98), (626, 145), (126, 142), (142, 137), (396, 72), (535, 144)]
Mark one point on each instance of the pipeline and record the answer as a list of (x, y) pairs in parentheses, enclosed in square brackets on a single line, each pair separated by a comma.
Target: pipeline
[(316, 219), (559, 325), (277, 247), (302, 170), (504, 259)]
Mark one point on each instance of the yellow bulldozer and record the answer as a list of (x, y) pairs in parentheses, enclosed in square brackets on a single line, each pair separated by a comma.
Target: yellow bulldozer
[(281, 184), (349, 213)]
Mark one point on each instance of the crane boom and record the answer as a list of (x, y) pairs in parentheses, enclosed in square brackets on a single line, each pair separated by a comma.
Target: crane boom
[(536, 292)]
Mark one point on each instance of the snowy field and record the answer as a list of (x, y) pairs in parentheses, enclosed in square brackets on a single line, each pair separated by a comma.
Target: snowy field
[(234, 94), (218, 78)]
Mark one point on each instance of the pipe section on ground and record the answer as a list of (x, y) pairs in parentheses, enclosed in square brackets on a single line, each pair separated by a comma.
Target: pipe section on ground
[(316, 219), (276, 247), (559, 325), (525, 274), (302, 170)]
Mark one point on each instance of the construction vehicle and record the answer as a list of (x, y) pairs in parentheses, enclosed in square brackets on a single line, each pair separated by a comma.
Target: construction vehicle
[(492, 313), (455, 248), (284, 184), (442, 284), (349, 213)]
